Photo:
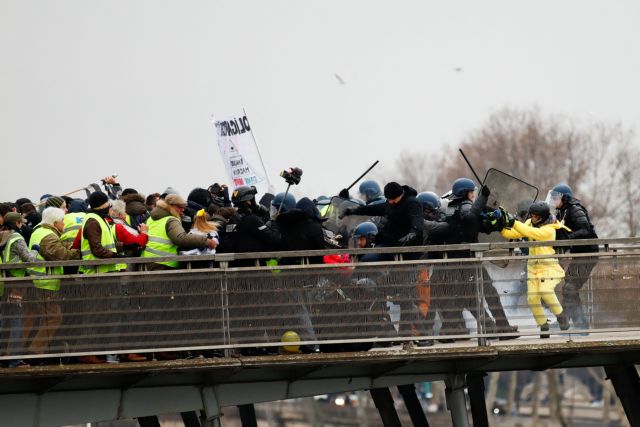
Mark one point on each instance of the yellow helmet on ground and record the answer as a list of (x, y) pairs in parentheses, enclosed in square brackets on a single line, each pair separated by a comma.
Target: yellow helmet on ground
[(291, 336)]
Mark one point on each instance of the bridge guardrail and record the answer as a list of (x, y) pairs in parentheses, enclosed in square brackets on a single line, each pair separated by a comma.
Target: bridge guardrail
[(210, 304)]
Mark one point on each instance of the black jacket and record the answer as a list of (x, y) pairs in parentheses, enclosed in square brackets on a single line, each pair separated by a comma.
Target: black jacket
[(301, 230), (576, 218), (401, 219), (247, 232), (465, 223)]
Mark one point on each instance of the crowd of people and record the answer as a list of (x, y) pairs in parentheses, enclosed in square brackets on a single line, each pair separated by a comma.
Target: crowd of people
[(114, 223)]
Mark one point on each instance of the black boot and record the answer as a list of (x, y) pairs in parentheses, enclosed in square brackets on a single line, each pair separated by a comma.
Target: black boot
[(544, 328), (508, 329), (563, 321)]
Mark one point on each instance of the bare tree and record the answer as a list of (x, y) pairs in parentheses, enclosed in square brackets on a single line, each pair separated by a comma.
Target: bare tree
[(595, 158)]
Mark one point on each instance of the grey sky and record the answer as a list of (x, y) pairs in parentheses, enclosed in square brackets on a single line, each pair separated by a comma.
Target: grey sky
[(91, 88)]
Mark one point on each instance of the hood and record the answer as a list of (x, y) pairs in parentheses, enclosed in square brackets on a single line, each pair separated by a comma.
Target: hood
[(160, 211), (409, 191), (135, 204), (306, 205)]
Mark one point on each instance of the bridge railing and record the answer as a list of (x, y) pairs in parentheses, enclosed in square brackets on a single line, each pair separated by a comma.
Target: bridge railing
[(210, 303)]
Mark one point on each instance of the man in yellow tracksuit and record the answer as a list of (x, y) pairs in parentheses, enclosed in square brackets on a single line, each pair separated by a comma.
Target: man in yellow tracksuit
[(543, 275)]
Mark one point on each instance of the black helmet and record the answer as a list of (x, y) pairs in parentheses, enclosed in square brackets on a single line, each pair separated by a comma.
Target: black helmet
[(540, 209), (243, 194)]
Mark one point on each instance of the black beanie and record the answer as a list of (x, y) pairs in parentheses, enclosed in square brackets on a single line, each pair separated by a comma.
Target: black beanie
[(393, 190), (97, 199)]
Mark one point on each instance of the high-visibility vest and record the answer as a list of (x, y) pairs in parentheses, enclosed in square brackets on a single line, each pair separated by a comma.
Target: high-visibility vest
[(159, 243), (5, 258), (106, 240), (50, 284), (72, 223), (6, 253)]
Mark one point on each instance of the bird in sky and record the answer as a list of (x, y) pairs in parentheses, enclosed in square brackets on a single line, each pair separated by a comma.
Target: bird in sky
[(339, 79)]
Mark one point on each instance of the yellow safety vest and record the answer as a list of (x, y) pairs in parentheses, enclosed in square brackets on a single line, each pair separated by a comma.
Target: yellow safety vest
[(50, 284), (72, 223), (6, 253), (159, 243), (119, 267), (106, 240)]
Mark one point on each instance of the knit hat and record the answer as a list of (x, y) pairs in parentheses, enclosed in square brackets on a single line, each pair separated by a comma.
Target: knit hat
[(12, 218), (175, 200), (54, 202), (169, 190), (393, 190), (97, 199)]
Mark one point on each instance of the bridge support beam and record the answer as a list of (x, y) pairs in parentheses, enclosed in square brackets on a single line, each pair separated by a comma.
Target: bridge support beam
[(248, 415), (626, 382), (456, 402), (190, 419), (148, 421), (211, 405), (412, 403), (475, 382), (384, 402)]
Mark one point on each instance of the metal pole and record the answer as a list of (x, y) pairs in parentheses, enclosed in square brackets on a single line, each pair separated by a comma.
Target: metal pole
[(248, 415), (477, 400), (480, 320), (627, 385), (412, 403), (456, 402), (384, 402)]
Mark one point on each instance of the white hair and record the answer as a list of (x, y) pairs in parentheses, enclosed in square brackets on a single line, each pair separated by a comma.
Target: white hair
[(51, 215), (119, 207)]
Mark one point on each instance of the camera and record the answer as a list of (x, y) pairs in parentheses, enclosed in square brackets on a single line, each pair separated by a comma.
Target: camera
[(292, 176)]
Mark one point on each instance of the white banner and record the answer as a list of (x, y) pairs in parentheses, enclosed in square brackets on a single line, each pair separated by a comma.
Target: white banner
[(240, 153)]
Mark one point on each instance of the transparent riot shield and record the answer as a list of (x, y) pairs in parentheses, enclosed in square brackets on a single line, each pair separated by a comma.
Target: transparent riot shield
[(345, 226), (508, 192)]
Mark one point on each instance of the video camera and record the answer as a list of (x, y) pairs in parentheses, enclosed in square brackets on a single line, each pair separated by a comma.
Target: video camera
[(292, 176)]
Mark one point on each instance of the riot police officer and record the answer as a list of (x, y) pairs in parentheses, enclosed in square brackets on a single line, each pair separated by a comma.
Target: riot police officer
[(571, 213)]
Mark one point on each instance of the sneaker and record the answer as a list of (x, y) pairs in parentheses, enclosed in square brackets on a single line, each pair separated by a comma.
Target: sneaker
[(424, 343), (544, 328), (112, 358)]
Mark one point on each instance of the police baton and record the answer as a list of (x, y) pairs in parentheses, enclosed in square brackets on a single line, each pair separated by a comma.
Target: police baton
[(362, 176)]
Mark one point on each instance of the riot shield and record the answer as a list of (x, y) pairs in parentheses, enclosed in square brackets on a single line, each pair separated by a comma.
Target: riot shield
[(345, 226), (507, 192)]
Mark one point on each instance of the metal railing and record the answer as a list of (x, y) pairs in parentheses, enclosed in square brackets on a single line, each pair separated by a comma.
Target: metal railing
[(211, 303)]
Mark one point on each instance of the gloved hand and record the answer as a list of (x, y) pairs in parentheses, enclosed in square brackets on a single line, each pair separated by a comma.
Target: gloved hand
[(130, 247), (408, 238), (347, 212), (344, 193), (509, 220), (485, 191), (36, 248)]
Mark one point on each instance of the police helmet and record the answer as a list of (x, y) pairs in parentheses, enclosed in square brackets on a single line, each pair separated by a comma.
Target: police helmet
[(370, 190), (429, 200), (563, 189), (540, 209), (461, 187), (366, 230), (243, 194), (288, 202)]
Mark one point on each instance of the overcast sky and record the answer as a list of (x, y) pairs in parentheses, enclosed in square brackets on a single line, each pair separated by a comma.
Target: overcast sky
[(92, 88)]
